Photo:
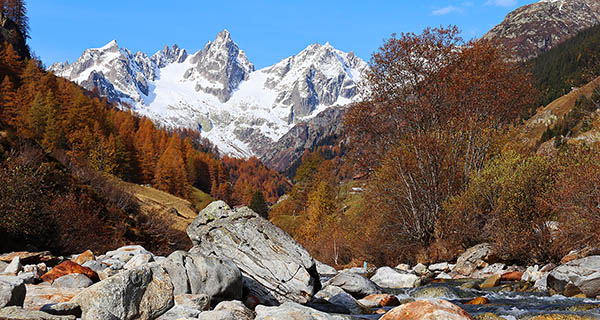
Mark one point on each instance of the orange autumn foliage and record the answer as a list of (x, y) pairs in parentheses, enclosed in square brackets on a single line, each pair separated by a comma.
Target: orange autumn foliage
[(59, 114)]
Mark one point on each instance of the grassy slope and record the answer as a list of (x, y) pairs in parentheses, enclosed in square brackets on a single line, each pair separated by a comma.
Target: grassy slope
[(531, 131), (153, 201)]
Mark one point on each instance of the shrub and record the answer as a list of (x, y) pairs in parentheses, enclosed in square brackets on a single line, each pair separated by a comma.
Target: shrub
[(500, 205), (24, 201), (574, 202), (79, 225)]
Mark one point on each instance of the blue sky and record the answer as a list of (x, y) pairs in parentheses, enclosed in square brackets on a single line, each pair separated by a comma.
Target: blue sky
[(267, 30)]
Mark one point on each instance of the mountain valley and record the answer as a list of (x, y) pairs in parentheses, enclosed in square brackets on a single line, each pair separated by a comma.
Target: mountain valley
[(241, 110)]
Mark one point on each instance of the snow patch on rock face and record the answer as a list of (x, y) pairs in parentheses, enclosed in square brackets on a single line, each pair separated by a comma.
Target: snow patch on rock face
[(241, 110)]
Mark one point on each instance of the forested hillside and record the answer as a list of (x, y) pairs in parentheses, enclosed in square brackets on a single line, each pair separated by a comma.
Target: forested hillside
[(571, 64), (63, 145)]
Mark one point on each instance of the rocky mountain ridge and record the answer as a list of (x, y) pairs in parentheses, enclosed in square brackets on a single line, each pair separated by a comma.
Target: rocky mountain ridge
[(304, 136), (537, 27), (243, 111)]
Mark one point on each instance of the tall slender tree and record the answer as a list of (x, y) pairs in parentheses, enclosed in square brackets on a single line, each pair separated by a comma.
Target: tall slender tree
[(171, 175), (16, 10), (7, 99)]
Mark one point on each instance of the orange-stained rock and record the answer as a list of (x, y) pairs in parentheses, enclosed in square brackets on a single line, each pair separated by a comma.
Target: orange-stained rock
[(383, 299), (66, 268), (389, 301), (85, 257), (431, 309), (42, 294), (479, 300), (512, 276)]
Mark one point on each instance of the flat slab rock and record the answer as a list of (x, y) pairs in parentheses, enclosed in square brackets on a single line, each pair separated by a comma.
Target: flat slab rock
[(275, 268), (18, 313), (42, 294), (31, 257)]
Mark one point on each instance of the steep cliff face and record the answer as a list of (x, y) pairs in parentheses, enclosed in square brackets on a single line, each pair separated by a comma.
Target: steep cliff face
[(9, 33), (303, 136), (244, 112), (532, 29)]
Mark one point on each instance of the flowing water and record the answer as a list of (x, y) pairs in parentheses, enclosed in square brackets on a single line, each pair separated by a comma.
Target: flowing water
[(508, 305)]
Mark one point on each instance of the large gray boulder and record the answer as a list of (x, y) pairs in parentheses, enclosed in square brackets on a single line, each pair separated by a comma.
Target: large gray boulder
[(477, 257), (387, 277), (275, 268), (355, 284), (12, 291), (218, 278), (142, 293), (337, 296), (294, 311), (577, 276)]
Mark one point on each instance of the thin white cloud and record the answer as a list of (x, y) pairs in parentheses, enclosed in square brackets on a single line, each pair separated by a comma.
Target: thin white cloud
[(501, 3), (446, 10)]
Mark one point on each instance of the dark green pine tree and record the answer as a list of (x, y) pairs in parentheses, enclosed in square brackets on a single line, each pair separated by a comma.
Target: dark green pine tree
[(259, 205)]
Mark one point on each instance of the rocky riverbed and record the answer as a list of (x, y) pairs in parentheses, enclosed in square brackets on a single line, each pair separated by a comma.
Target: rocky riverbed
[(243, 267)]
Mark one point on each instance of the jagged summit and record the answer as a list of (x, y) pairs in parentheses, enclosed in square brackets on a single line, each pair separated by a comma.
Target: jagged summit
[(314, 70), (224, 36), (112, 44), (537, 27), (220, 67), (168, 55), (217, 89)]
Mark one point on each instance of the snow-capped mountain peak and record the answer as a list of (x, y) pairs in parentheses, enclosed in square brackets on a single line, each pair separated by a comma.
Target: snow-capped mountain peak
[(112, 45), (217, 89), (220, 67)]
